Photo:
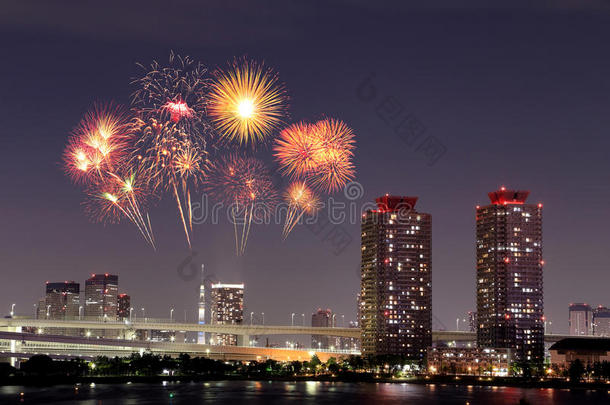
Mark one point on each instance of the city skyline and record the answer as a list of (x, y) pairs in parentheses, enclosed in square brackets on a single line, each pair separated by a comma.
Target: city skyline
[(499, 97)]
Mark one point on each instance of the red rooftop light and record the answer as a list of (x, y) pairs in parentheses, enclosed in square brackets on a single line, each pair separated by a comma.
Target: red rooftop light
[(504, 196)]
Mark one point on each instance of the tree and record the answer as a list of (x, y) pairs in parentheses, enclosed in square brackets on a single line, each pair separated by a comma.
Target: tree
[(39, 364), (576, 370)]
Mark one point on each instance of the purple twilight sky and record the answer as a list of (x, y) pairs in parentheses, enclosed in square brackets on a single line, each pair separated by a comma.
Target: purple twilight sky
[(516, 95)]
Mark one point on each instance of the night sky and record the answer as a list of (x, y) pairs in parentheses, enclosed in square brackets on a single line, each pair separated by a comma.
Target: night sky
[(517, 96)]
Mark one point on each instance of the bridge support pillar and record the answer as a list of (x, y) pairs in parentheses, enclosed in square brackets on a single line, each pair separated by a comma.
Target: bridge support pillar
[(243, 340)]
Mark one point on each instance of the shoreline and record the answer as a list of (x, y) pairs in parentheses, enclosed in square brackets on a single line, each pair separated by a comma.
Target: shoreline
[(352, 378)]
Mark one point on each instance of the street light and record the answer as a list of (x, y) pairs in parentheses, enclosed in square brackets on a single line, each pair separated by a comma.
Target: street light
[(48, 308), (251, 315), (12, 309), (144, 314), (292, 319), (130, 311), (343, 320), (262, 313), (334, 324), (171, 315), (457, 324), (303, 315), (80, 312)]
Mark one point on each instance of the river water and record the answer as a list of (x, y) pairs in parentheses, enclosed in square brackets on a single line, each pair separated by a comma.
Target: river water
[(279, 392)]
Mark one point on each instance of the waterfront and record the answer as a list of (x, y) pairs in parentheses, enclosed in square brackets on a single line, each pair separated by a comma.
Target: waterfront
[(314, 392)]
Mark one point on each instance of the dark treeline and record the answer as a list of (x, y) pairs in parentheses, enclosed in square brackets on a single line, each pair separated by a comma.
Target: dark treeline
[(149, 365)]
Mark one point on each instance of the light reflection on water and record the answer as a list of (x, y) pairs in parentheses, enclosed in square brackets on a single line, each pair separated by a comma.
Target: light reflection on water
[(308, 392)]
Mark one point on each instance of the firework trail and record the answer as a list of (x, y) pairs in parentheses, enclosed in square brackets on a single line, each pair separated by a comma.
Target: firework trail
[(247, 103), (301, 199), (172, 129), (95, 157), (244, 185)]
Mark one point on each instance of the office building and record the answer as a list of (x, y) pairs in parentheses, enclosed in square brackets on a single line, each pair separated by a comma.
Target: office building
[(62, 302), (101, 301), (322, 318), (510, 312), (601, 321), (580, 320), (227, 307), (123, 306), (396, 279)]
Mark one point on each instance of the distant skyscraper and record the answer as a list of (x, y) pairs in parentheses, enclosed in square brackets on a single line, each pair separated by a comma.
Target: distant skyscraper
[(601, 321), (101, 296), (396, 279), (227, 308), (580, 319), (62, 301), (101, 300), (201, 308), (321, 318), (510, 311), (123, 306)]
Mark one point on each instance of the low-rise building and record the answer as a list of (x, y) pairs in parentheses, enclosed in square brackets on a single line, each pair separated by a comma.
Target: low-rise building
[(469, 361), (587, 350)]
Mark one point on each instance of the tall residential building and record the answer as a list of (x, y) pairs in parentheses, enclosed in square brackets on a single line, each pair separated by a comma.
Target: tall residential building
[(396, 279), (510, 312), (123, 306), (322, 318), (601, 321), (227, 307), (101, 296), (580, 319)]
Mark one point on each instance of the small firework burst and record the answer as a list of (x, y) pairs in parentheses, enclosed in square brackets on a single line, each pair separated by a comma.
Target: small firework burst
[(98, 144), (245, 186), (301, 200), (247, 103), (176, 92)]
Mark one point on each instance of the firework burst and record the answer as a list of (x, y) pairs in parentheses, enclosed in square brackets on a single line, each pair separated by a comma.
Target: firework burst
[(96, 156), (247, 103), (98, 144), (172, 162), (297, 150), (176, 92), (301, 200), (244, 185)]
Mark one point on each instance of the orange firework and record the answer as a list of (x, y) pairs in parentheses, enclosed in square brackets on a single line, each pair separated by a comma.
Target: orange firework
[(98, 144), (247, 102), (172, 161), (244, 185), (298, 150), (301, 199), (119, 196), (334, 156)]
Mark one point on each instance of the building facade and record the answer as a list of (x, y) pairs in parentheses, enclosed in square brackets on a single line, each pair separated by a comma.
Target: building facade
[(469, 361), (510, 310), (601, 321), (227, 307), (101, 296), (396, 279), (580, 319), (321, 318), (62, 300), (123, 306), (588, 350)]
